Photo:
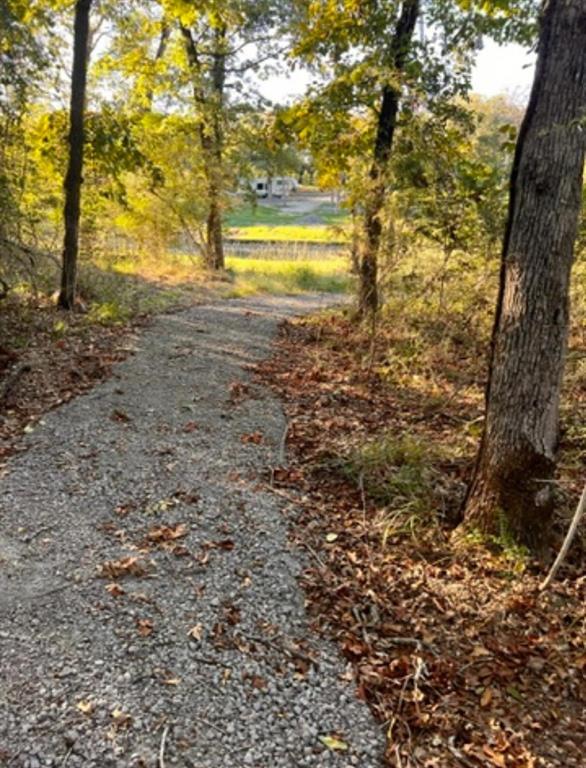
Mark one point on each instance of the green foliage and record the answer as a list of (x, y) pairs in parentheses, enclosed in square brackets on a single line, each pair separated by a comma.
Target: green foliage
[(398, 472)]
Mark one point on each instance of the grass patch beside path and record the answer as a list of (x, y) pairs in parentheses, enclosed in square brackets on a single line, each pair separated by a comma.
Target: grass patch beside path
[(301, 233), (117, 290), (252, 276)]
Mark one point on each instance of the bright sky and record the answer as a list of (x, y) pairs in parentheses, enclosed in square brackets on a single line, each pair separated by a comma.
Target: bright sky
[(503, 69), (499, 69)]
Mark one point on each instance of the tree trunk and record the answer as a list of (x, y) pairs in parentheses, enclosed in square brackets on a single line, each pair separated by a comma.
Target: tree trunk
[(512, 490), (73, 178), (211, 138), (160, 52), (214, 235), (368, 299)]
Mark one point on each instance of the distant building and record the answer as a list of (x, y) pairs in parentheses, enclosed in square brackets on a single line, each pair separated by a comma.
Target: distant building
[(280, 186)]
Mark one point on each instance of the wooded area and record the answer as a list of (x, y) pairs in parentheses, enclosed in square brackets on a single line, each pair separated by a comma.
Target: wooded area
[(439, 407)]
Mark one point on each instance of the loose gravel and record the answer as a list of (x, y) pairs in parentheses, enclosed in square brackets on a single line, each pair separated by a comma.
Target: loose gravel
[(150, 611)]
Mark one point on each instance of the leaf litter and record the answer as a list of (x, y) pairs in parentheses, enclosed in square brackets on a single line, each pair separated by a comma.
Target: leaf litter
[(452, 645)]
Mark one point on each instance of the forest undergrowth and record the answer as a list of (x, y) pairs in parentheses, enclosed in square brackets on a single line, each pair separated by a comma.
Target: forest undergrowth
[(458, 653)]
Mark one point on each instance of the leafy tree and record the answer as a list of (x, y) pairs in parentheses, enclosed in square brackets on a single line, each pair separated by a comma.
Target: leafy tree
[(512, 485), (224, 42), (381, 59)]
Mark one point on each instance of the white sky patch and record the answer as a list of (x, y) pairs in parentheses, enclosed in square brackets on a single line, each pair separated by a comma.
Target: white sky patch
[(503, 69)]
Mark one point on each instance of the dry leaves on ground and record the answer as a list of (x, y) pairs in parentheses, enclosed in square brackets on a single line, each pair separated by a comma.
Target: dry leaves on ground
[(454, 648)]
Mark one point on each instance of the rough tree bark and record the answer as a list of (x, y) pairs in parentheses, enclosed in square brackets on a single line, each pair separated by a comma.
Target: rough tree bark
[(512, 491), (211, 139), (368, 298), (73, 178)]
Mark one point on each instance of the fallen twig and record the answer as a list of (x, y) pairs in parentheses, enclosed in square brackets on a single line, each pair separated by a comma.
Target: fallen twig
[(281, 648), (162, 748), (211, 662), (219, 730), (35, 534), (567, 541), (282, 444)]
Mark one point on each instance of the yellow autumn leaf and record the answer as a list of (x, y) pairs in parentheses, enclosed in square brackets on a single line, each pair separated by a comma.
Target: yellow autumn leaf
[(331, 742), (87, 707)]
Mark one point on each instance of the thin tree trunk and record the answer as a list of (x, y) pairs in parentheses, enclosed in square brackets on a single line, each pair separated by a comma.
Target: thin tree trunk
[(512, 489), (73, 178), (368, 299), (160, 52), (211, 140)]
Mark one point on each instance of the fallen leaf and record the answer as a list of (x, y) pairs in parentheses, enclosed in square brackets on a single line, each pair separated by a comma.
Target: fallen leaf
[(125, 566), (258, 682), (196, 632), (496, 758), (145, 627), (87, 707), (254, 437), (332, 742), (120, 416), (167, 532), (191, 426), (226, 544), (121, 719), (115, 590)]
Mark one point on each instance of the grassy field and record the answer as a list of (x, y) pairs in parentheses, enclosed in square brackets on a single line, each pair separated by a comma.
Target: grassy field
[(300, 233), (326, 225)]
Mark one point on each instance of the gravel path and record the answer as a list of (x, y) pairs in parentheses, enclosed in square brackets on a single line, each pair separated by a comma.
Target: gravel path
[(191, 647)]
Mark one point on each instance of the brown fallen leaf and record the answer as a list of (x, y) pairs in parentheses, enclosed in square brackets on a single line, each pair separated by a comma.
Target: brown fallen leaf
[(187, 497), (238, 391), (125, 566), (164, 533), (120, 416), (144, 627), (115, 589), (225, 544), (258, 682), (496, 758), (191, 426), (254, 437)]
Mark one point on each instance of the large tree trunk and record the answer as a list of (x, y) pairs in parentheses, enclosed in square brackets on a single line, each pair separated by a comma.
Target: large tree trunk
[(512, 491), (368, 299), (73, 178)]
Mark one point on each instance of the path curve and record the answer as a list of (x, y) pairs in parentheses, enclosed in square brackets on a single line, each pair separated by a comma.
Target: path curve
[(205, 660)]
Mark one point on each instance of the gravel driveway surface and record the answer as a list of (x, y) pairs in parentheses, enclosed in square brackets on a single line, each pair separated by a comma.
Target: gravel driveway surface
[(150, 613)]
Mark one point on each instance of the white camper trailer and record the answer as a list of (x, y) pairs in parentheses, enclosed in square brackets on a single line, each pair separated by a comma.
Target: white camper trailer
[(279, 186)]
